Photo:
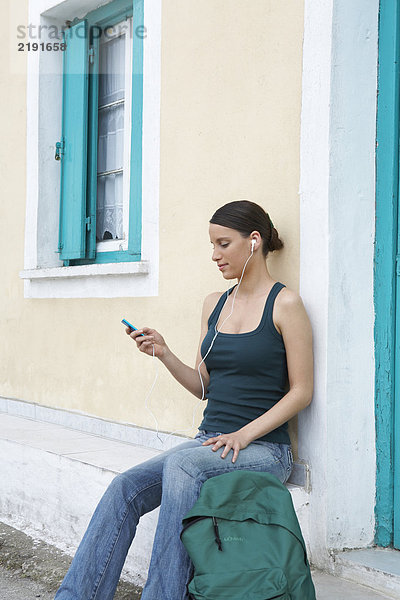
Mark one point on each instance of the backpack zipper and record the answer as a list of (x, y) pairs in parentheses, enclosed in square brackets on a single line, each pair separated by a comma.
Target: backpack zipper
[(215, 525), (217, 538), (192, 522)]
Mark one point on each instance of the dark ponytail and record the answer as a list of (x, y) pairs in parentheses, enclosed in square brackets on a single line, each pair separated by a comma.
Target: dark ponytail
[(245, 217)]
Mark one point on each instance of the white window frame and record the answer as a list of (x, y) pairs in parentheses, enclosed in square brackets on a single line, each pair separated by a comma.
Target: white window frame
[(44, 274)]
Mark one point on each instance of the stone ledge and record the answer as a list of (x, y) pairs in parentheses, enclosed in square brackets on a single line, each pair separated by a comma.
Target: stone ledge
[(54, 476), (119, 431)]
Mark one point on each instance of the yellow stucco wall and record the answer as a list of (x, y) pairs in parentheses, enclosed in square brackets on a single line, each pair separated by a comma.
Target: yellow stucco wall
[(230, 129)]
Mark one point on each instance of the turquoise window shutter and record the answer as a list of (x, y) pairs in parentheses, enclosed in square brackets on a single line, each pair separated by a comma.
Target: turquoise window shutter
[(72, 235)]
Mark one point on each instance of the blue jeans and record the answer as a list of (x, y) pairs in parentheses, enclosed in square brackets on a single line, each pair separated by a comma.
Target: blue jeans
[(171, 480)]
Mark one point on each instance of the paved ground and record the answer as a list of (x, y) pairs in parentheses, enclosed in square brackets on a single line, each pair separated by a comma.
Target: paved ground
[(30, 569), (13, 586)]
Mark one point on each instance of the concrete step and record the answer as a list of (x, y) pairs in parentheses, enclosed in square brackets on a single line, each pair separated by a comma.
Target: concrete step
[(329, 587), (378, 568), (52, 478)]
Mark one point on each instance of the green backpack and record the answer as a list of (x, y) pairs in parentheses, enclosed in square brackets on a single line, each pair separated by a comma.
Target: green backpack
[(245, 541)]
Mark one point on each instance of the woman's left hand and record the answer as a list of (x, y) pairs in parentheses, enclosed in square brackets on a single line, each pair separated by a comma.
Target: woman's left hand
[(235, 441)]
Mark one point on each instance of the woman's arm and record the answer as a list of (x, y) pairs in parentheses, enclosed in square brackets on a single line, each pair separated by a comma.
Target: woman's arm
[(295, 327), (184, 374)]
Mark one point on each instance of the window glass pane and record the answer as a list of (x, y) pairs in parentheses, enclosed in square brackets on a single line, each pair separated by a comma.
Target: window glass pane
[(111, 69), (109, 218), (110, 149)]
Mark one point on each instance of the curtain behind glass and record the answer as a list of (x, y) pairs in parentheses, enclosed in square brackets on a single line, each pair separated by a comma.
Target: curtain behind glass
[(110, 149)]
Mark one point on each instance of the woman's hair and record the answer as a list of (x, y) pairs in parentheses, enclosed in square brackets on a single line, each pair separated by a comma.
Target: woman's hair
[(245, 217)]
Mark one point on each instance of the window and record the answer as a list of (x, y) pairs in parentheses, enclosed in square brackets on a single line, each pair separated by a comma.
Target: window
[(127, 267), (100, 151)]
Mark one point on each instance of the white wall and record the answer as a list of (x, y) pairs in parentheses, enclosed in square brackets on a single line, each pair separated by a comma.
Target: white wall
[(337, 216)]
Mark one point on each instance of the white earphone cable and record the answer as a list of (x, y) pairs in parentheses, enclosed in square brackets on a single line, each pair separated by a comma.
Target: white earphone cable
[(198, 368), (147, 404)]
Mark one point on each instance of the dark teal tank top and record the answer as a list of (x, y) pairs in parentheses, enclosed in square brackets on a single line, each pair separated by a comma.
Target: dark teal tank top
[(248, 373)]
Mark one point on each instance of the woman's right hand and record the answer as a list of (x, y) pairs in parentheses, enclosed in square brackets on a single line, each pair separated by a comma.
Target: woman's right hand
[(145, 343)]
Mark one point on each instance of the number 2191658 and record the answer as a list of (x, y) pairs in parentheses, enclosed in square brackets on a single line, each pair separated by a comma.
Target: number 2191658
[(41, 46)]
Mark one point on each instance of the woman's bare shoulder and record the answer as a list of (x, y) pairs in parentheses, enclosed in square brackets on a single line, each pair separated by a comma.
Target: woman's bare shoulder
[(288, 303), (210, 302), (213, 296), (212, 299), (288, 297)]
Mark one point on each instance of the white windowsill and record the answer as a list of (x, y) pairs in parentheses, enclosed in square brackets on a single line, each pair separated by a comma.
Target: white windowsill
[(127, 268)]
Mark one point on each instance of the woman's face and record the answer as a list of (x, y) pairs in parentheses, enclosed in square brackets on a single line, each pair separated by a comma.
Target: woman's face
[(230, 250)]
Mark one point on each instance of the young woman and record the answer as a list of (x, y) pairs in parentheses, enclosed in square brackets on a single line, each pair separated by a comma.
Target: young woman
[(257, 375)]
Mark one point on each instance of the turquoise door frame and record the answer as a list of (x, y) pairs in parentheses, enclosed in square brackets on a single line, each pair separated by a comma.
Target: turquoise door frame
[(386, 281)]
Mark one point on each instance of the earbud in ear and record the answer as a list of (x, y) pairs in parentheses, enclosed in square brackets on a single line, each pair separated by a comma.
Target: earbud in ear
[(253, 243)]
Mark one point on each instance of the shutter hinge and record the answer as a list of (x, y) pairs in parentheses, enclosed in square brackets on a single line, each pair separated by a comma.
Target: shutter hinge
[(59, 149), (91, 55), (88, 223), (398, 265)]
